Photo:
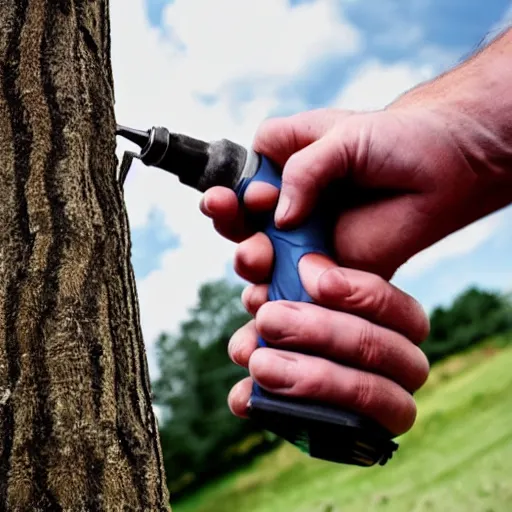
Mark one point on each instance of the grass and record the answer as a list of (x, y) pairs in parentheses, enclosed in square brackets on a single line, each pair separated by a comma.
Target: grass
[(458, 456)]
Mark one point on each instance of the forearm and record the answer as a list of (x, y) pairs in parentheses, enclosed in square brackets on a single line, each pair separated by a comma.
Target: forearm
[(475, 99)]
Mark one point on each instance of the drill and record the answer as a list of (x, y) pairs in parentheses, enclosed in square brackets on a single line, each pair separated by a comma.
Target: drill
[(320, 430)]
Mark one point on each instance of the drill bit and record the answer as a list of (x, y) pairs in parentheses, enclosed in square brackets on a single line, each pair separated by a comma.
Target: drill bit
[(139, 137)]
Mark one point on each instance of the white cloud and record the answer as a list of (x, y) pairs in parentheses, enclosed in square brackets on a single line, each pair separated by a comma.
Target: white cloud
[(225, 41), (375, 85), (457, 244), (229, 39)]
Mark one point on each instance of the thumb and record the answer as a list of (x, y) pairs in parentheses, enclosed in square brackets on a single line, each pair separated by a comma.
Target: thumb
[(280, 137), (309, 171)]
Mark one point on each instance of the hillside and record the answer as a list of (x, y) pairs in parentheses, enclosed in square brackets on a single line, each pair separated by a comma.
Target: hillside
[(455, 459)]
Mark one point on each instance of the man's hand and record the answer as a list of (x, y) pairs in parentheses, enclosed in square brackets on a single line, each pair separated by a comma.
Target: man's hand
[(359, 352), (429, 164), (434, 161)]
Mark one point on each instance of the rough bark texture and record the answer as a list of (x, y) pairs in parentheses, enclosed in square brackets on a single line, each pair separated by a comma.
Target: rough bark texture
[(77, 431)]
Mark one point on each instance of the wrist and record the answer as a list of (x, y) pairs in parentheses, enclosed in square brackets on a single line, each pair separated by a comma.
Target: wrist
[(475, 102)]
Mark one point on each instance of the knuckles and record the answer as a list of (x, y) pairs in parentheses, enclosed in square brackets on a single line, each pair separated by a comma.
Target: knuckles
[(374, 296), (317, 382), (368, 394), (362, 393), (368, 350), (369, 293)]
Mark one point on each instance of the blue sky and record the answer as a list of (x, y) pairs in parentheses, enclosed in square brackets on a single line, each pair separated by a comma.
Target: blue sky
[(437, 32), (345, 53)]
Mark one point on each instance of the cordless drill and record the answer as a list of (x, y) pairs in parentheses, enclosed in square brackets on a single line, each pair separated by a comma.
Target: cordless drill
[(320, 430)]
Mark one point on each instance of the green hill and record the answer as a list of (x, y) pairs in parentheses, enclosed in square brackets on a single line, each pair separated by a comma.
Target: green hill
[(458, 456)]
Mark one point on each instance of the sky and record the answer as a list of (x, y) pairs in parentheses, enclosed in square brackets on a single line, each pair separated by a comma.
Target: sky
[(216, 69)]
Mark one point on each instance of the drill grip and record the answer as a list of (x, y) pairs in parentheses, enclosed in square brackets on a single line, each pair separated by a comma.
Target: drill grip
[(320, 430), (289, 246)]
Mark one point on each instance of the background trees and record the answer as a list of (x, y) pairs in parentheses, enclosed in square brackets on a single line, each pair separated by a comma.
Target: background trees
[(474, 315), (200, 436)]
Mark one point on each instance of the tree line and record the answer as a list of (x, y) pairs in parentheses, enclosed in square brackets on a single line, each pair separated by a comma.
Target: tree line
[(201, 439)]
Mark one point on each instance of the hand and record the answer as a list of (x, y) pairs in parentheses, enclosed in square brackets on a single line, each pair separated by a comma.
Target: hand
[(431, 163), (434, 161), (359, 352)]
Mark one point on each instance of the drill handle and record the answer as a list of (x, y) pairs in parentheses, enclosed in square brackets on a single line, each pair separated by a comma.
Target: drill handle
[(332, 434), (290, 245)]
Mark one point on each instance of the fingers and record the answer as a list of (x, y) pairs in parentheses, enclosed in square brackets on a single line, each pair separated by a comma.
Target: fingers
[(254, 259), (243, 343), (222, 206), (302, 376), (239, 397), (340, 358), (341, 337), (254, 296), (364, 294), (309, 152), (337, 355), (219, 203), (260, 197), (343, 289), (309, 157)]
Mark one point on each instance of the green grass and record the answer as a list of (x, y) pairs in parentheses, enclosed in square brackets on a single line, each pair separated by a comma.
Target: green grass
[(458, 457)]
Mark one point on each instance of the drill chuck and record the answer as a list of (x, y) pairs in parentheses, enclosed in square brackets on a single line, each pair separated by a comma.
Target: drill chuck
[(197, 164)]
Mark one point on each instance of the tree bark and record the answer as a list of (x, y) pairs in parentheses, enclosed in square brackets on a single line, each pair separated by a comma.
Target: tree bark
[(77, 430)]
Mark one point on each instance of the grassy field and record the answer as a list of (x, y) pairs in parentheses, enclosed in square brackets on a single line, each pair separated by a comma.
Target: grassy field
[(458, 457)]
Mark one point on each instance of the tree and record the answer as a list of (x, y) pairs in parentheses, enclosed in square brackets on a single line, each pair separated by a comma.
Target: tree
[(473, 316), (77, 429)]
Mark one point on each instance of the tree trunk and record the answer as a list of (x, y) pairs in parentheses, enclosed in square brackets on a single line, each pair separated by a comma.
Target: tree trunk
[(77, 430)]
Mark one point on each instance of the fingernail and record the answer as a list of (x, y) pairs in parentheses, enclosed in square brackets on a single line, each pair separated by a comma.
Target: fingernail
[(311, 268), (236, 397), (333, 283), (282, 209), (274, 371), (273, 319), (327, 282), (204, 205), (246, 296), (234, 346)]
